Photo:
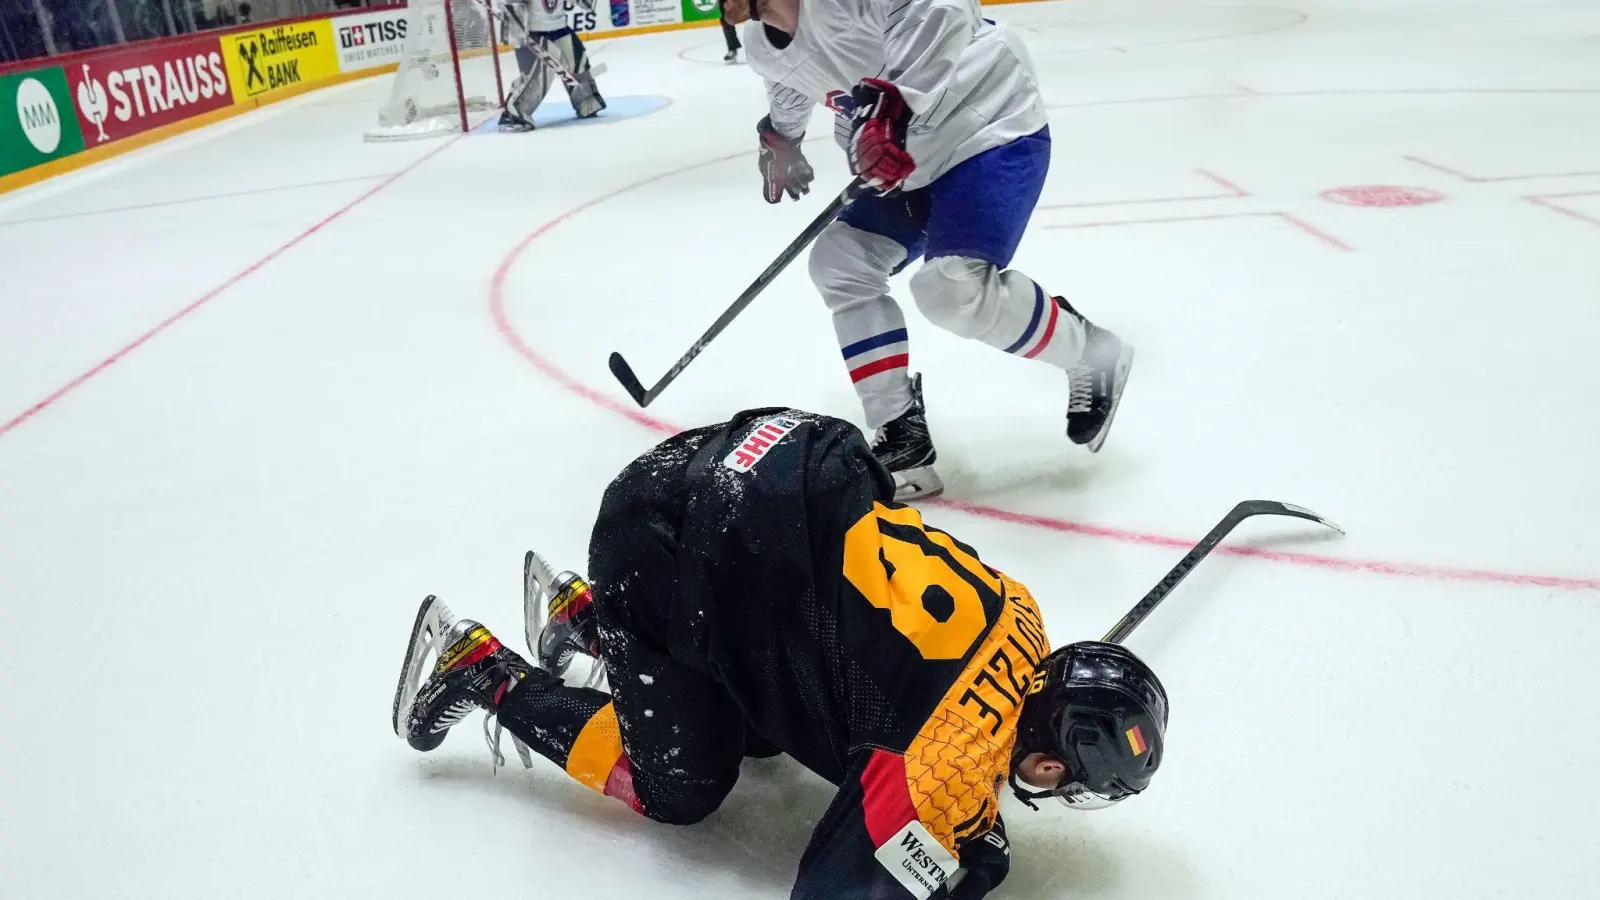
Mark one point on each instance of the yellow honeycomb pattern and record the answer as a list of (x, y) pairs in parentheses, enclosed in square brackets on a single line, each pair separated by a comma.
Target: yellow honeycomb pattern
[(955, 767)]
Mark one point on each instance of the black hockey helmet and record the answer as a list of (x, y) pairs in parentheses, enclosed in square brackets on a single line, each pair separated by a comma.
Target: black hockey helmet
[(1099, 709)]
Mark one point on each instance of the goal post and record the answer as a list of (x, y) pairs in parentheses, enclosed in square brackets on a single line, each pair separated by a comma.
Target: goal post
[(450, 69)]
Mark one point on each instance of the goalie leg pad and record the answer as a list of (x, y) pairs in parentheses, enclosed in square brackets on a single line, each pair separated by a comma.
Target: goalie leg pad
[(528, 91), (585, 97), (565, 52)]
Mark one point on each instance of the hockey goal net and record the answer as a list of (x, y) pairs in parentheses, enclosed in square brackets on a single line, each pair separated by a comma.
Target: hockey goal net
[(450, 70)]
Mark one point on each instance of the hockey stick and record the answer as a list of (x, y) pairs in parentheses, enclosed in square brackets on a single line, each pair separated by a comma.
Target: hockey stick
[(1238, 514), (624, 372), (568, 79), (537, 48)]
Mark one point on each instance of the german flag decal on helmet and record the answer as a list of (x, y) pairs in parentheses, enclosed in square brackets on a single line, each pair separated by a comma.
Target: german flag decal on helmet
[(1136, 740)]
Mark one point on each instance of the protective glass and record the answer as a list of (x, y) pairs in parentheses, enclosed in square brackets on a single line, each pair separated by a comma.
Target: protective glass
[(1076, 796)]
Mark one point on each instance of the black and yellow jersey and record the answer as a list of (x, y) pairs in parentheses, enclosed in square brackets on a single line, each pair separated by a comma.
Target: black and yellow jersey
[(880, 652)]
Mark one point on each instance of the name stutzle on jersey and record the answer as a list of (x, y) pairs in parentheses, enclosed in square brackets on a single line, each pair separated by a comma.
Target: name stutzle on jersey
[(969, 82)]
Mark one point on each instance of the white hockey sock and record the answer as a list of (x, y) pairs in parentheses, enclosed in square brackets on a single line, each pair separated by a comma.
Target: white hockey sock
[(1005, 309)]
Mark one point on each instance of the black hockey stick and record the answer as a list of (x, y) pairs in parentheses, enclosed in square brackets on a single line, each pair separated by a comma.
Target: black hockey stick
[(536, 46), (624, 372), (569, 79), (1238, 514)]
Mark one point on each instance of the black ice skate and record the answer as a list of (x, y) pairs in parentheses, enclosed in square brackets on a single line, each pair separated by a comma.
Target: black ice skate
[(511, 123), (559, 619), (1095, 383), (473, 670), (906, 450), (731, 57)]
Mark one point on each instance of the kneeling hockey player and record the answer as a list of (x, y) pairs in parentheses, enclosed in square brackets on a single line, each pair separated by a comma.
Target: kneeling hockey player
[(547, 48), (757, 590)]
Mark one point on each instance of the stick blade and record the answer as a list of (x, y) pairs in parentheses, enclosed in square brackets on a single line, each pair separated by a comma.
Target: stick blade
[(1276, 508), (630, 382)]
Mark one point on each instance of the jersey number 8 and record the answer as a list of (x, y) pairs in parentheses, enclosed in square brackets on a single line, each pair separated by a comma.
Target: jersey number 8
[(933, 588)]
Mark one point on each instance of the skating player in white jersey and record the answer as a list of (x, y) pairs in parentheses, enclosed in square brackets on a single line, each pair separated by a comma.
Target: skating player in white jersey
[(939, 110)]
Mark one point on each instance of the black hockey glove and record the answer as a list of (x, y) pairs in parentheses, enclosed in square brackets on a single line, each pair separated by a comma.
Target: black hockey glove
[(783, 166), (986, 860)]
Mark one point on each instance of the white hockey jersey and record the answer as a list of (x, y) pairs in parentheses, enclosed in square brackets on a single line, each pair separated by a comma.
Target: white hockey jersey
[(542, 15), (969, 82)]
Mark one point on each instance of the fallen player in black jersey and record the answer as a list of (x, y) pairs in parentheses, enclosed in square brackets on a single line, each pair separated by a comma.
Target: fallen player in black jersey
[(756, 589)]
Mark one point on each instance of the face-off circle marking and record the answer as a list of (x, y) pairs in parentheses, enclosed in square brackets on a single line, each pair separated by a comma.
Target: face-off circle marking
[(1381, 196)]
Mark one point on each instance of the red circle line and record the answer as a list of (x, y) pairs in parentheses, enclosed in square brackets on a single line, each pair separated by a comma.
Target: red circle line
[(622, 407)]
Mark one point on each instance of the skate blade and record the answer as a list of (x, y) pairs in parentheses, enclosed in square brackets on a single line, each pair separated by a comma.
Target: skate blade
[(433, 620), (917, 483), (1124, 366), (537, 577)]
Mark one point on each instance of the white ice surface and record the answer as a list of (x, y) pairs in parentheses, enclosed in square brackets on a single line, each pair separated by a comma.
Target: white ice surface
[(210, 549)]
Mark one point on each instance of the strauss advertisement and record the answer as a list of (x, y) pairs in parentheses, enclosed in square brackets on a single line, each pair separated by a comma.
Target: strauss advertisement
[(122, 94)]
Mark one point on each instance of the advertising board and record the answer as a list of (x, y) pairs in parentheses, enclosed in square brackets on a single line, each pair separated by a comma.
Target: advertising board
[(124, 93)]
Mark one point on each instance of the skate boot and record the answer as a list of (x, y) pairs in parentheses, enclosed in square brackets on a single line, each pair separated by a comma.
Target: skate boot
[(731, 57), (473, 670), (906, 450), (511, 123), (1095, 383), (559, 619)]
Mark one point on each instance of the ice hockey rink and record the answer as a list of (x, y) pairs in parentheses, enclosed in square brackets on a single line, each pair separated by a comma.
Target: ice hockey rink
[(264, 386)]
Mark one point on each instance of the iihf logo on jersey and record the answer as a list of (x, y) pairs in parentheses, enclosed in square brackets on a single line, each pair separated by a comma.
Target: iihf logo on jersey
[(746, 455), (840, 102)]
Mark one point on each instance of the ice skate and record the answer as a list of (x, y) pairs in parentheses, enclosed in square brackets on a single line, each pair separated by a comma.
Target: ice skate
[(559, 619), (905, 448), (472, 670), (1095, 383), (731, 57), (511, 123)]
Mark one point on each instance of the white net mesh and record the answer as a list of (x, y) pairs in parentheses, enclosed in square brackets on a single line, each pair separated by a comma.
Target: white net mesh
[(433, 84)]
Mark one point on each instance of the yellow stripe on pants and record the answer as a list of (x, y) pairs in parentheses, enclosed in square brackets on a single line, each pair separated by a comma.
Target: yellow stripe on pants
[(596, 751)]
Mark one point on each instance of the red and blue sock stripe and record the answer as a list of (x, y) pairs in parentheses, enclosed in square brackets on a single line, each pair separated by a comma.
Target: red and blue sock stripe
[(1035, 338), (878, 354)]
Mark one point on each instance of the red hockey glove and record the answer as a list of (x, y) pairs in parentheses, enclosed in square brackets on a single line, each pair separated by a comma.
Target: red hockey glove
[(783, 165), (878, 135)]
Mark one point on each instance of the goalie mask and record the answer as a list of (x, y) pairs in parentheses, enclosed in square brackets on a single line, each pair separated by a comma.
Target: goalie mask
[(1102, 712)]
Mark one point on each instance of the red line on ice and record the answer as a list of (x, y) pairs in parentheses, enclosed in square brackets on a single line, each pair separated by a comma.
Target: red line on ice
[(1547, 201), (1313, 560), (1234, 192), (497, 311), (180, 201), (1313, 230), (1237, 191), (1297, 222), (1491, 179), (215, 292)]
